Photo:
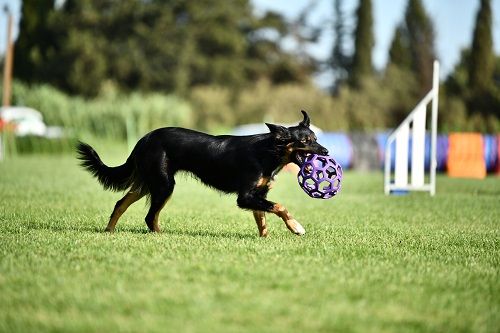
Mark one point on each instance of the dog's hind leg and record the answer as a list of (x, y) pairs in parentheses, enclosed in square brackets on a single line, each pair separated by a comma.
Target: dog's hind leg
[(120, 208), (160, 194), (260, 219)]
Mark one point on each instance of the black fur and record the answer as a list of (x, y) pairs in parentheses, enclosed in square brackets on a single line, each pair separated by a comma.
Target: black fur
[(231, 164), (112, 178)]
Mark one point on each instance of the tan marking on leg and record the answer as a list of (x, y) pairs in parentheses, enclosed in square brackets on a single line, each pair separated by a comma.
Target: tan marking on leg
[(118, 211), (278, 209), (263, 181), (260, 219), (290, 222)]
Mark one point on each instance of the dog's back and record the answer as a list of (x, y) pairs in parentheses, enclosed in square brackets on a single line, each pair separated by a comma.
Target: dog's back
[(223, 162)]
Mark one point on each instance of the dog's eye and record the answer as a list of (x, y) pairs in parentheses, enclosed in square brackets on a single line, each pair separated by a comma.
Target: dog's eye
[(305, 140)]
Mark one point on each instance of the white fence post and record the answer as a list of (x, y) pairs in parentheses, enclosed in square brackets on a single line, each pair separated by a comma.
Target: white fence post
[(401, 136), (435, 101), (401, 167), (418, 148)]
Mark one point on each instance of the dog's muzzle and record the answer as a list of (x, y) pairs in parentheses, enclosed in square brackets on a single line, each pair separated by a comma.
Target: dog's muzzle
[(300, 155)]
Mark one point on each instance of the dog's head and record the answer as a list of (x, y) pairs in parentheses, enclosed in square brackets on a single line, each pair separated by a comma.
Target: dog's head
[(299, 140)]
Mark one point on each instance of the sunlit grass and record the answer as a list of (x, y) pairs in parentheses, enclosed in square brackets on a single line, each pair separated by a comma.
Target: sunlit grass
[(367, 263)]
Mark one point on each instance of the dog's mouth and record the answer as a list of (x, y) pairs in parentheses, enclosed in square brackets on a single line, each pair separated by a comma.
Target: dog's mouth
[(299, 157)]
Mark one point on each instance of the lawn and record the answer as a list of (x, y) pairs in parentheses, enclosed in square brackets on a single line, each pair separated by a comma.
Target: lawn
[(368, 262)]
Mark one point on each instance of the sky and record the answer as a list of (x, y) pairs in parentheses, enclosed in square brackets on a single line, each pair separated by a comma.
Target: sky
[(453, 22)]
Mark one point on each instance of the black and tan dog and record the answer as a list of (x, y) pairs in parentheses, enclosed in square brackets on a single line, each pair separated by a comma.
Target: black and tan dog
[(244, 165)]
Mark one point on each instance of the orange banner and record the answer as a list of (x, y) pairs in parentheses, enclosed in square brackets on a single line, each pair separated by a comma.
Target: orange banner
[(466, 156)]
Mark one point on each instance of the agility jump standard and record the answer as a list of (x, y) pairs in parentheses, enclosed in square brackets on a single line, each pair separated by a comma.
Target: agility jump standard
[(414, 126)]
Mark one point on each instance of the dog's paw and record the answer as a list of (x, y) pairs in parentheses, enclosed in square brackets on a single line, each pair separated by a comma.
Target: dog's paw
[(296, 227)]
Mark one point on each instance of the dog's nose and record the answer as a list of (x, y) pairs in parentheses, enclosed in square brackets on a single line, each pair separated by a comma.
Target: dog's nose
[(324, 151)]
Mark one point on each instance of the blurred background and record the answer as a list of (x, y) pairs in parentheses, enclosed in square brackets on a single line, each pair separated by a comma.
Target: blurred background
[(113, 70)]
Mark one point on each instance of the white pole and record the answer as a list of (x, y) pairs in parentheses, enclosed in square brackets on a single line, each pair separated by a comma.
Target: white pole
[(418, 148), (7, 69), (435, 101), (387, 166), (401, 163)]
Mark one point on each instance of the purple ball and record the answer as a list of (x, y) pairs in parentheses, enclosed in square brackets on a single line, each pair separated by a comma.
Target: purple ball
[(320, 176)]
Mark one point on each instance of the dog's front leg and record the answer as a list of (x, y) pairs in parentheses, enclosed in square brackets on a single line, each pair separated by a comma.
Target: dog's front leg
[(260, 219), (256, 203), (292, 224)]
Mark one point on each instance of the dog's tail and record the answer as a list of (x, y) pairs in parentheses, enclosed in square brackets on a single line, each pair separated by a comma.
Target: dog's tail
[(111, 178)]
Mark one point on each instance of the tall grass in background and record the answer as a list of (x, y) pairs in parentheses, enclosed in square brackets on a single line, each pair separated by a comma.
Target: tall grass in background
[(119, 116), (112, 115)]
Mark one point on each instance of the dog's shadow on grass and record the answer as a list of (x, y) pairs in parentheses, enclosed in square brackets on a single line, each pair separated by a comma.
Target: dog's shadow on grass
[(195, 234), (137, 230), (59, 227)]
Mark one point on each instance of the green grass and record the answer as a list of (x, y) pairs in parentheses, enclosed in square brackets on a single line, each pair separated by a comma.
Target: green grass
[(368, 262)]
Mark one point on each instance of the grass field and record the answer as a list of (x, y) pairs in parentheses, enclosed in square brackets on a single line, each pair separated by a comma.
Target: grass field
[(368, 263)]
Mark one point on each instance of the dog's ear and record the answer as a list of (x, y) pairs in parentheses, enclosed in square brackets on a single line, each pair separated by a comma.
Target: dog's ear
[(306, 122), (281, 132)]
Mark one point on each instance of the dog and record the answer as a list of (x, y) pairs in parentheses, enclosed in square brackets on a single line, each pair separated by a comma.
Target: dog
[(245, 165)]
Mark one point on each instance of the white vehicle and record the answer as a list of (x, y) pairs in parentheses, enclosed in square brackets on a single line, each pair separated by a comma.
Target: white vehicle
[(24, 120)]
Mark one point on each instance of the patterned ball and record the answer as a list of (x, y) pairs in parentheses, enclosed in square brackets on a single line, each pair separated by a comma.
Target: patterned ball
[(320, 176)]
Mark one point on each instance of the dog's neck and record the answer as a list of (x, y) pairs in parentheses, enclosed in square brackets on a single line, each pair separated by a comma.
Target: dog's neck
[(277, 156)]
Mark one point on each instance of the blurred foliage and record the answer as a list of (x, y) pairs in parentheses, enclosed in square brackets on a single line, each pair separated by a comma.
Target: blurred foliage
[(421, 39), (34, 45), (37, 144), (355, 67), (213, 107), (473, 87), (126, 67), (364, 41), (340, 60), (471, 109), (379, 102), (266, 102), (153, 45), (399, 51), (413, 47), (481, 60)]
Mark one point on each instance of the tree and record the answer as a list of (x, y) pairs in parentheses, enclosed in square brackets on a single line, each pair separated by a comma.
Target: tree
[(36, 41), (363, 44), (339, 60), (399, 51), (420, 32), (474, 79), (457, 81), (155, 45), (484, 99), (481, 63), (303, 34)]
